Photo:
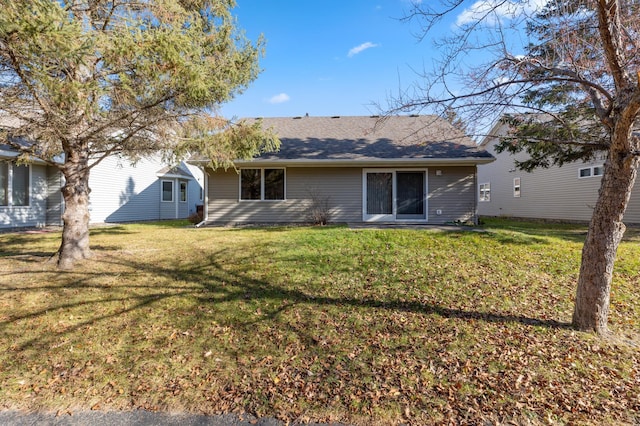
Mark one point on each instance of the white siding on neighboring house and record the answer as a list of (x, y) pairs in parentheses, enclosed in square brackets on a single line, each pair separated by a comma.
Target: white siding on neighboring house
[(557, 193), (55, 203), (124, 192), (34, 211), (121, 192), (196, 189)]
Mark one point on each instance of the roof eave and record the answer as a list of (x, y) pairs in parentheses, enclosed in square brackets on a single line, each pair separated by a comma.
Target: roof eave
[(403, 162), (12, 155)]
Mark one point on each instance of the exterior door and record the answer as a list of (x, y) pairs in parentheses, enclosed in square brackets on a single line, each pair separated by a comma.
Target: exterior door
[(394, 195), (410, 195), (379, 196)]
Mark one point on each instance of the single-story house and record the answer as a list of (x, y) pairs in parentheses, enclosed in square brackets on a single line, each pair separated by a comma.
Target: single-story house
[(566, 193), (400, 169), (30, 194)]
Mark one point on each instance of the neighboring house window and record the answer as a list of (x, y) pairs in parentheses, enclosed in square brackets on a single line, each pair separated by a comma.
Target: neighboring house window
[(516, 187), (4, 184), (167, 190), (15, 184), (20, 185), (591, 171), (485, 192), (183, 192), (262, 184)]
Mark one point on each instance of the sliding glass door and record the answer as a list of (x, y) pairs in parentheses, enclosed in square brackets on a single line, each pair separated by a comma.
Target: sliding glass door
[(379, 195), (410, 195), (394, 195)]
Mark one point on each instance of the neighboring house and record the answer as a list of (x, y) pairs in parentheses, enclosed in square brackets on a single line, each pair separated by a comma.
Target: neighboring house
[(29, 194), (120, 192), (566, 193), (403, 169), (145, 190)]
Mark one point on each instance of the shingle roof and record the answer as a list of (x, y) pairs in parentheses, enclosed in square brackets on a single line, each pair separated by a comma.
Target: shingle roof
[(369, 138)]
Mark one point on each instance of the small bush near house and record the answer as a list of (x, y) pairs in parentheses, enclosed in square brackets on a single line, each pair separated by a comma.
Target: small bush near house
[(195, 218), (319, 210)]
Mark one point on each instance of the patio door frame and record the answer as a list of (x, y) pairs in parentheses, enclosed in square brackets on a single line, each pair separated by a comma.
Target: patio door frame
[(393, 216)]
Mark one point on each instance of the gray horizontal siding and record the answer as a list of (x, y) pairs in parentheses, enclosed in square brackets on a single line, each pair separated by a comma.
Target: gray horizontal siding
[(555, 193), (452, 192), (342, 186)]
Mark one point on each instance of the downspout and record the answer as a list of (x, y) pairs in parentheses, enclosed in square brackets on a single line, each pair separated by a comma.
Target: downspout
[(475, 196), (205, 197)]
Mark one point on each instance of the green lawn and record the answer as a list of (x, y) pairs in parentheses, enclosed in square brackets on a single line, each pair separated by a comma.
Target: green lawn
[(319, 323)]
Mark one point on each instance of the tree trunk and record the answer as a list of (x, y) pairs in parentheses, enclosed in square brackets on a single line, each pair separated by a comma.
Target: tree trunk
[(599, 251), (75, 231)]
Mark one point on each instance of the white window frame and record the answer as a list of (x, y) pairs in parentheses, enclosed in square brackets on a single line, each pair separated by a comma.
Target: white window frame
[(592, 171), (162, 182), (517, 187), (393, 216), (262, 184), (483, 195), (9, 188), (185, 192)]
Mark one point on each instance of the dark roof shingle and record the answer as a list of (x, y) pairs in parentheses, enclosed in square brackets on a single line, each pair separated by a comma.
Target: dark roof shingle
[(369, 138)]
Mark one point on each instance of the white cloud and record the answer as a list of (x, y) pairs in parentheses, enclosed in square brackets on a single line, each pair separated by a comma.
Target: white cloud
[(280, 98), (360, 48), (494, 10)]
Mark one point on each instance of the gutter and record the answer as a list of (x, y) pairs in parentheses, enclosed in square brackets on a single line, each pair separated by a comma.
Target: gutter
[(409, 162)]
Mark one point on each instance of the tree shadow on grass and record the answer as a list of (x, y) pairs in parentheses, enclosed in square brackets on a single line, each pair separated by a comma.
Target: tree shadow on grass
[(212, 284), (537, 231), (95, 231), (18, 244)]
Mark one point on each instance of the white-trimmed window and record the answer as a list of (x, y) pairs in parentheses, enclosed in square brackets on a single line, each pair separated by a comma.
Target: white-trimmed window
[(485, 192), (592, 171), (167, 191), (183, 192), (4, 184), (262, 184), (15, 185), (516, 187)]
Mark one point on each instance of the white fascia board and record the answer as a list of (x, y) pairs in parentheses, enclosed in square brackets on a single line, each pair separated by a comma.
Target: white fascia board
[(160, 175)]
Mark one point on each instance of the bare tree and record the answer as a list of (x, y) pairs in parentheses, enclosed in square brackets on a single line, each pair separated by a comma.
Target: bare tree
[(565, 74)]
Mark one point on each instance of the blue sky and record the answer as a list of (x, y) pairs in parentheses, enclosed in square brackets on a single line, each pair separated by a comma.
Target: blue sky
[(328, 57), (343, 57)]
